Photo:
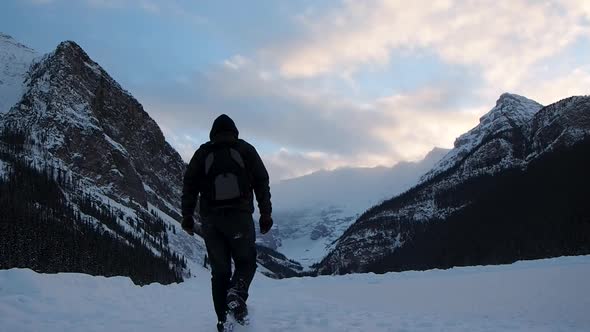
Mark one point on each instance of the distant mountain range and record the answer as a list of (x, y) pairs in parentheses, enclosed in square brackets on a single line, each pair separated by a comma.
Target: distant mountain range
[(312, 211)]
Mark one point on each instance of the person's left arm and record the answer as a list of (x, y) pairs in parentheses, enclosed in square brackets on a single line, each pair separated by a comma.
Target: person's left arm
[(260, 184)]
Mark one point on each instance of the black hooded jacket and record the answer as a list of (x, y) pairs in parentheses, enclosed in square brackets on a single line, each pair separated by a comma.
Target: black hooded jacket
[(224, 130)]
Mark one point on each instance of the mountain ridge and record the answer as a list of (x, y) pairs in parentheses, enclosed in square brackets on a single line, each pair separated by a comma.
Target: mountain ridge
[(497, 148)]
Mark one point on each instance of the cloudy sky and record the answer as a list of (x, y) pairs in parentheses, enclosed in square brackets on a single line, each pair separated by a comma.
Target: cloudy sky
[(322, 84)]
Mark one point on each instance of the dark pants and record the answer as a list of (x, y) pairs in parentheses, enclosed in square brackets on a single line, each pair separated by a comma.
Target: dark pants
[(230, 235)]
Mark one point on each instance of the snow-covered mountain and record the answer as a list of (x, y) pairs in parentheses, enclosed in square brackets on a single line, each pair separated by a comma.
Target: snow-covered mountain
[(76, 120), (83, 119), (77, 133), (312, 211), (496, 143), (518, 147)]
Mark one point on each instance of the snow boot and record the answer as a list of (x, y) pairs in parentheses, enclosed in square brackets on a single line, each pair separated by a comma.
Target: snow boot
[(237, 307), (225, 326)]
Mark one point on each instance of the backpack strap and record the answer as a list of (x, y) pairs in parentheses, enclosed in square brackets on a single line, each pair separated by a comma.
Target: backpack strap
[(237, 157), (209, 162)]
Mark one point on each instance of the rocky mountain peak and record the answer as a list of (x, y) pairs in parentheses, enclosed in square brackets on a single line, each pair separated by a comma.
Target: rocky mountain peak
[(503, 127), (87, 121), (514, 109), (511, 111), (71, 53), (508, 97), (73, 48), (68, 45)]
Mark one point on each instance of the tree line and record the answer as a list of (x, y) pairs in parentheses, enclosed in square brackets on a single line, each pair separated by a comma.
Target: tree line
[(48, 224)]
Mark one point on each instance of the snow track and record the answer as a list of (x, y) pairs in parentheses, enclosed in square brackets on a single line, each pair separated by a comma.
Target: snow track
[(543, 295)]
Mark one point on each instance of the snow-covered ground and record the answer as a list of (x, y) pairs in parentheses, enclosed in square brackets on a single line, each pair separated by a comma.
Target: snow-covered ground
[(543, 295)]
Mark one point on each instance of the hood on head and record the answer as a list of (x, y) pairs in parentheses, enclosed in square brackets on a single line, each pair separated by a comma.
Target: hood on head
[(223, 124)]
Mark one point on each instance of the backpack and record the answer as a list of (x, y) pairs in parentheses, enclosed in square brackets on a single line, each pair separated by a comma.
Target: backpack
[(227, 179)]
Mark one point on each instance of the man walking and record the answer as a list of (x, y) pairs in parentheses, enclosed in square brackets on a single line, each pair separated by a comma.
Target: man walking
[(225, 172)]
